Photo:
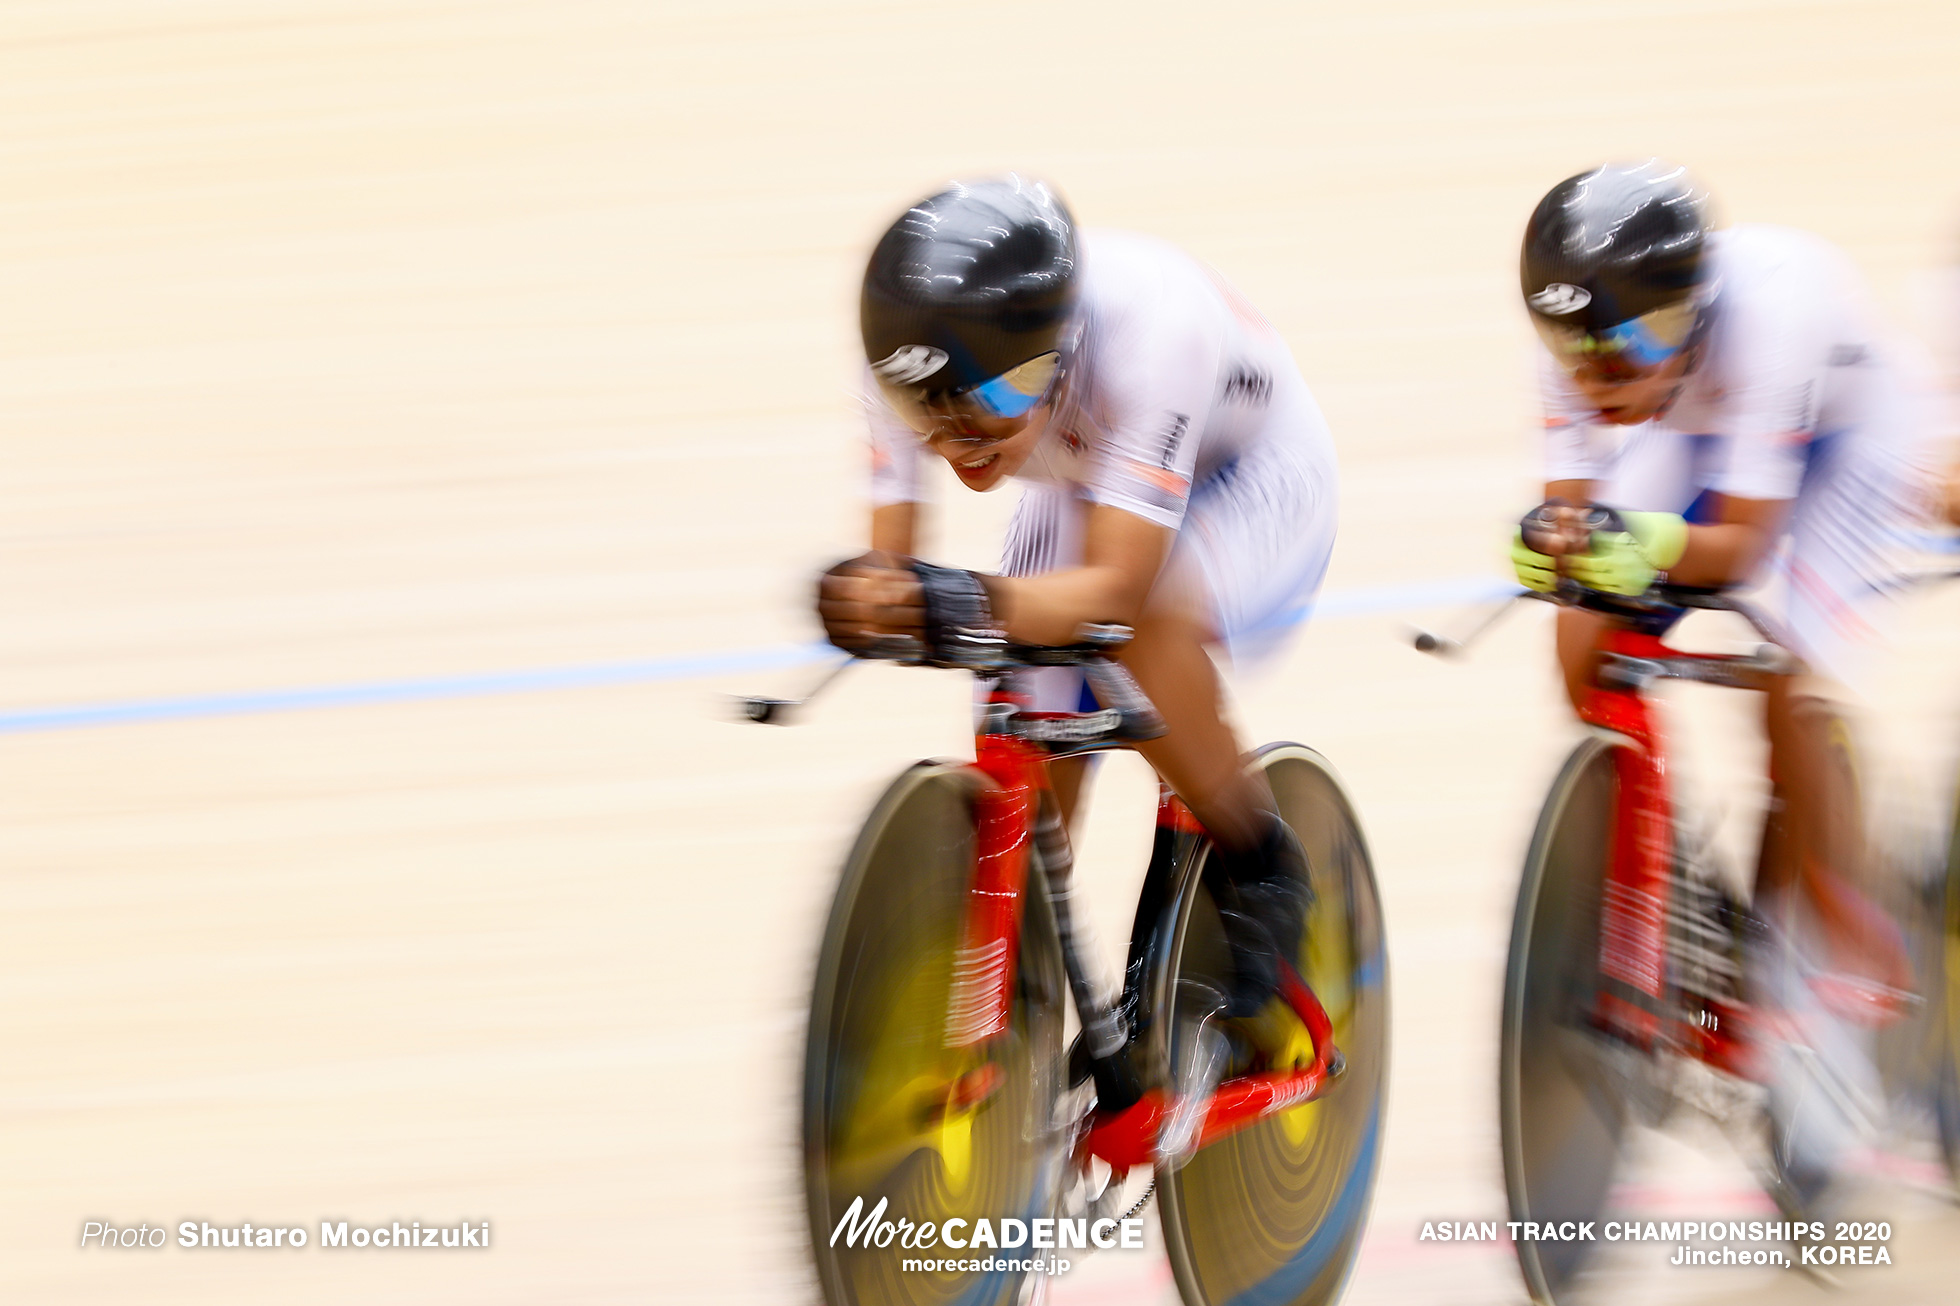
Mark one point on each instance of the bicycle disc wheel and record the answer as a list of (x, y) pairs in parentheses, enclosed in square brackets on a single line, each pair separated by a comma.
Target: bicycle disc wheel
[(1559, 1116), (1273, 1214), (1945, 996), (882, 1118)]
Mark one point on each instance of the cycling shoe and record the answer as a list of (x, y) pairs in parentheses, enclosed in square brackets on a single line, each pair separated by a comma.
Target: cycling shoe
[(1262, 896)]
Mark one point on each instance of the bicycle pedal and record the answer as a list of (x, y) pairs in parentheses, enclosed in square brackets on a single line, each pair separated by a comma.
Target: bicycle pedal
[(1200, 1070)]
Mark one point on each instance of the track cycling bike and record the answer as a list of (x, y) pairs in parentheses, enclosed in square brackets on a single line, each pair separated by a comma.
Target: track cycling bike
[(1625, 994), (938, 1080), (1932, 1059)]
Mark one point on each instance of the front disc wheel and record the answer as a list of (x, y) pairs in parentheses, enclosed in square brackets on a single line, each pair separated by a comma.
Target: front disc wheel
[(1561, 1111), (893, 1113)]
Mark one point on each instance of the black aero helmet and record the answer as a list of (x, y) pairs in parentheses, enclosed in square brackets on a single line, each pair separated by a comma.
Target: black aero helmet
[(1614, 267), (969, 297)]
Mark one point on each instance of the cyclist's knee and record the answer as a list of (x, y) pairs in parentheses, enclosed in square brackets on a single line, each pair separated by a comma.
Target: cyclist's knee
[(1579, 632), (1170, 658), (1813, 771), (1806, 716), (1175, 615)]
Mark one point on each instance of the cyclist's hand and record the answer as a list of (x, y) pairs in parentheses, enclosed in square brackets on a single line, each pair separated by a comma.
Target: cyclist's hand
[(1536, 571), (868, 596), (1548, 532), (1628, 550), (1555, 528)]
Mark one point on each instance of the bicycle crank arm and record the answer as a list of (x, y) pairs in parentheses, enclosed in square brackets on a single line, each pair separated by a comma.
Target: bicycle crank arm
[(1140, 1134), (1170, 1130), (1251, 1098)]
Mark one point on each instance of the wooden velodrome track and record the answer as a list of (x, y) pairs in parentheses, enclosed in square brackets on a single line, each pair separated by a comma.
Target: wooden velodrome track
[(402, 344)]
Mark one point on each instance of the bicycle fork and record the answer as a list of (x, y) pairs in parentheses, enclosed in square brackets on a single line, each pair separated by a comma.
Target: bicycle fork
[(983, 972), (1633, 904), (1653, 939)]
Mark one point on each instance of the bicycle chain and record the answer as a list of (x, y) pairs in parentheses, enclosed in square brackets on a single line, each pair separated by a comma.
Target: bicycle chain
[(1143, 1201)]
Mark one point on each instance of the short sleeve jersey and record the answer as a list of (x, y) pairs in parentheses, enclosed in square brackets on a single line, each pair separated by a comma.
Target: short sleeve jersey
[(1792, 355), (1171, 379)]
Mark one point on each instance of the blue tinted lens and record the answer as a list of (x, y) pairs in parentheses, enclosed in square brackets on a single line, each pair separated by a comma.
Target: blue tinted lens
[(1016, 390), (1636, 342), (1002, 397)]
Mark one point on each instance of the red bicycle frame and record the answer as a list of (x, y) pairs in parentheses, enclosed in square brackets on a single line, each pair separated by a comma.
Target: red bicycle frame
[(984, 967), (1633, 999)]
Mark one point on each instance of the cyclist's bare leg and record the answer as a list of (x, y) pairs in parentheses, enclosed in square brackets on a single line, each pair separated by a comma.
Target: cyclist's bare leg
[(1578, 639), (1260, 871), (1199, 755), (1823, 854)]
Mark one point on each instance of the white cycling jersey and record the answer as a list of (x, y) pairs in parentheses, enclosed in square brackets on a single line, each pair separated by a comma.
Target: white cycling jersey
[(1797, 395), (1183, 406)]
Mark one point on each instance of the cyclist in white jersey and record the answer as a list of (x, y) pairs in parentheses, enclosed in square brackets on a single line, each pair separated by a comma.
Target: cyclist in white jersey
[(1730, 394), (1178, 478), (1798, 401)]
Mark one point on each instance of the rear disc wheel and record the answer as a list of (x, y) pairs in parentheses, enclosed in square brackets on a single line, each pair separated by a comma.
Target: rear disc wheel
[(1274, 1213)]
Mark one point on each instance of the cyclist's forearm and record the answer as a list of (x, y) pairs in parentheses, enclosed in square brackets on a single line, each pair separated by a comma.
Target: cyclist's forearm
[(1722, 554), (1573, 492), (1121, 555), (1050, 608), (1725, 552), (894, 528)]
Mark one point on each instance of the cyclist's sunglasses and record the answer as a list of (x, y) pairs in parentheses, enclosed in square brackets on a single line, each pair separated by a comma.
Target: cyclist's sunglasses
[(1625, 351), (1014, 393)]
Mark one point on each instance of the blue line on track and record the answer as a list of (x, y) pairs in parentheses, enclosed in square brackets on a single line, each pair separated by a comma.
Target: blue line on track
[(30, 720), (1406, 598), (132, 711)]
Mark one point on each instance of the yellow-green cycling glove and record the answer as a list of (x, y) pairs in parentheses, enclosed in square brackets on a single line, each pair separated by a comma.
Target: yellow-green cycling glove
[(1629, 550), (1536, 571)]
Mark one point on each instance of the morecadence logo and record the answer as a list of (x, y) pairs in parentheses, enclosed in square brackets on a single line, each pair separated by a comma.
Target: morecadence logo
[(872, 1230)]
